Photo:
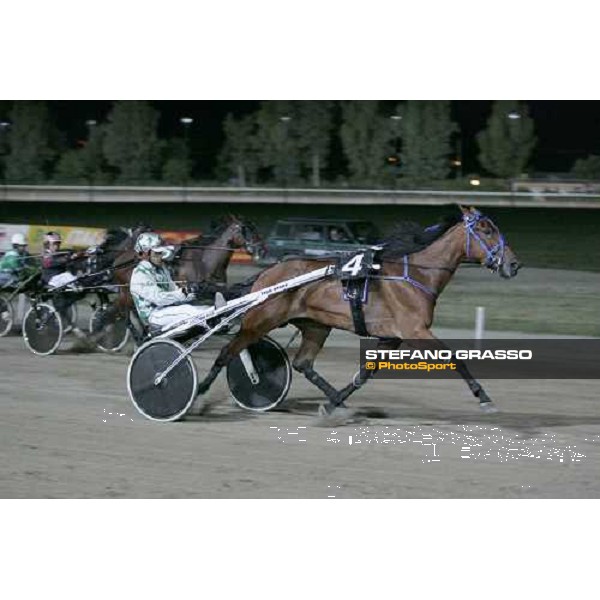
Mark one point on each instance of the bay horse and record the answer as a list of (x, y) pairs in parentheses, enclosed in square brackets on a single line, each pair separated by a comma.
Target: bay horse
[(198, 260), (402, 298)]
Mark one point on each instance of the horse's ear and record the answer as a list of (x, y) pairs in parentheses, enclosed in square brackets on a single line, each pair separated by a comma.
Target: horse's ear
[(464, 209)]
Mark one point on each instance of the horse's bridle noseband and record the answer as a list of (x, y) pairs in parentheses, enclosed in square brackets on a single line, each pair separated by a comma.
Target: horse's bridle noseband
[(494, 255)]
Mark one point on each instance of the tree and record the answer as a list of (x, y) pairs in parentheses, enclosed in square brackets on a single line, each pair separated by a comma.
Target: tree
[(425, 130), (505, 146), (365, 136), (587, 168), (239, 157), (30, 143), (177, 167), (131, 144), (86, 164), (277, 140), (314, 124)]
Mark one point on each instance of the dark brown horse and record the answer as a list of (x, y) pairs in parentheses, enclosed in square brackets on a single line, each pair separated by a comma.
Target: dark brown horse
[(402, 298)]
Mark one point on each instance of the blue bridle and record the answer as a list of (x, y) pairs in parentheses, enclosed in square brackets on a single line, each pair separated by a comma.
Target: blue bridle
[(494, 255)]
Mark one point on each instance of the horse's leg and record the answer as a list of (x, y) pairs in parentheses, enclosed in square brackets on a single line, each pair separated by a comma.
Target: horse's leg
[(244, 338), (485, 402), (114, 310), (223, 358), (363, 374), (313, 337)]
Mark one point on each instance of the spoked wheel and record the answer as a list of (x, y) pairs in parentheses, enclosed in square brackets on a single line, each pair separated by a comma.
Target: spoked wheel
[(112, 329), (171, 398), (42, 329), (259, 377), (6, 316)]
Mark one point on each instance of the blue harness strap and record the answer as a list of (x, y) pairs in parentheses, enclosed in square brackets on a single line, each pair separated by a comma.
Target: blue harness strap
[(406, 277)]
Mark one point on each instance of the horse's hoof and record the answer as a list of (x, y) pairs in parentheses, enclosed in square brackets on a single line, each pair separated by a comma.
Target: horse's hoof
[(328, 409), (488, 407), (335, 416), (323, 412)]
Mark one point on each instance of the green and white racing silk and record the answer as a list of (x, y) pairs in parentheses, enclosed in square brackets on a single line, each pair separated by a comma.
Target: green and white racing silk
[(151, 288), (12, 262)]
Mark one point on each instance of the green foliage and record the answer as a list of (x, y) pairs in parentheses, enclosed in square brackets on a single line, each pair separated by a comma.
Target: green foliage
[(87, 164), (365, 136), (71, 168), (507, 143), (313, 125), (587, 168), (131, 144), (29, 140), (176, 171), (239, 156), (276, 140), (177, 165), (425, 130)]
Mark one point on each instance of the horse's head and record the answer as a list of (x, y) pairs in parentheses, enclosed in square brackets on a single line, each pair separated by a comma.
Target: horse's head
[(244, 234), (486, 244)]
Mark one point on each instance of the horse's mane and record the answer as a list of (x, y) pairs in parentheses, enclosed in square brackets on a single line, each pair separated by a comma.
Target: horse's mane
[(113, 238), (195, 241), (203, 241), (409, 237)]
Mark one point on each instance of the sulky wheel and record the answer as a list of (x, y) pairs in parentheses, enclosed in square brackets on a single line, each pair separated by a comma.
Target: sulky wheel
[(6, 316), (170, 399), (110, 328), (260, 376), (42, 329)]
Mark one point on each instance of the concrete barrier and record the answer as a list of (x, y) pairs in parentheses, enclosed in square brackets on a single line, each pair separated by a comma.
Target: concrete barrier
[(241, 196)]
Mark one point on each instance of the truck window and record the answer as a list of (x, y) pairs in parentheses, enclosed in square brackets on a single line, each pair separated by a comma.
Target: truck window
[(309, 233)]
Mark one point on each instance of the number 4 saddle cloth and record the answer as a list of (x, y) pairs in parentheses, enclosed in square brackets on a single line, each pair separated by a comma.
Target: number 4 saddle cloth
[(354, 269)]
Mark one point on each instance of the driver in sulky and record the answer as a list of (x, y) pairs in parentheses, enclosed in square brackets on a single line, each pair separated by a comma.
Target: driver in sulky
[(158, 300), (56, 273)]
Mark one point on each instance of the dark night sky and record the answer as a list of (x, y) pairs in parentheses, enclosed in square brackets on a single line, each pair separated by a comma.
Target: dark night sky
[(566, 130)]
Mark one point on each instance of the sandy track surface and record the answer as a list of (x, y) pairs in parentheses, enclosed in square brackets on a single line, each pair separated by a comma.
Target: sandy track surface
[(69, 430)]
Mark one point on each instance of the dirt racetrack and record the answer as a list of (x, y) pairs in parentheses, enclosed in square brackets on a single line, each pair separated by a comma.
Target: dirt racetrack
[(69, 430)]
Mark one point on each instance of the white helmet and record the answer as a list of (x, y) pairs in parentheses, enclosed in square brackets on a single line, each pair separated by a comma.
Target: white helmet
[(147, 241), (18, 239)]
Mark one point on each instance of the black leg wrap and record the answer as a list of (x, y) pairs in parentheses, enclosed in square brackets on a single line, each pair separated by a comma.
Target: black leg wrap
[(473, 384), (483, 397), (357, 382), (205, 384), (321, 383), (343, 394)]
